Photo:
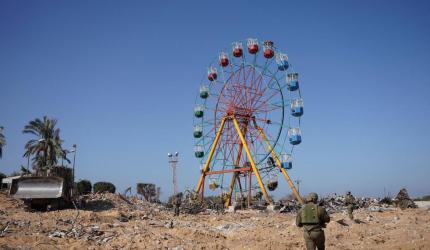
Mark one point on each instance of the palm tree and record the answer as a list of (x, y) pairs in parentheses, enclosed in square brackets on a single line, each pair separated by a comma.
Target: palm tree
[(2, 141), (46, 148)]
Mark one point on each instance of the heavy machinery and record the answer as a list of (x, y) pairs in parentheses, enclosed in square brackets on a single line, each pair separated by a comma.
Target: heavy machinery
[(49, 188)]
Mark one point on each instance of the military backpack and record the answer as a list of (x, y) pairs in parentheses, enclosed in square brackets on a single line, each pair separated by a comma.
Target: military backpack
[(309, 214)]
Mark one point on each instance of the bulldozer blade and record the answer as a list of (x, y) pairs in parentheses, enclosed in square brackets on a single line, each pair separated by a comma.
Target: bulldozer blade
[(37, 188)]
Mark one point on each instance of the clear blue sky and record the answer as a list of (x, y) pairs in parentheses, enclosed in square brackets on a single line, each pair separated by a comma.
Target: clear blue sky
[(121, 77)]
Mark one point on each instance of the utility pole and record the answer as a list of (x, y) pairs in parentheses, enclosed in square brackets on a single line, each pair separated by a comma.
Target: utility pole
[(74, 159), (298, 185), (173, 161)]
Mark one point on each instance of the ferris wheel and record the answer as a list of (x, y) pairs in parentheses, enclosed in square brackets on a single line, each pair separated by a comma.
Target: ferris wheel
[(247, 121)]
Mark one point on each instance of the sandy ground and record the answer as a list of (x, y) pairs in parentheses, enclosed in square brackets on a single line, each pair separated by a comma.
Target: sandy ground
[(151, 227)]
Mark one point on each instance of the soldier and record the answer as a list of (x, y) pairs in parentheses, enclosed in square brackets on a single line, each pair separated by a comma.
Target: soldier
[(350, 203), (177, 203), (313, 219)]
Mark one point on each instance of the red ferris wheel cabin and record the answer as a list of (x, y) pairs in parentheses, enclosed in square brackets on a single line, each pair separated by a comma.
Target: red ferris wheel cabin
[(212, 74), (268, 49), (223, 59), (237, 49), (252, 45)]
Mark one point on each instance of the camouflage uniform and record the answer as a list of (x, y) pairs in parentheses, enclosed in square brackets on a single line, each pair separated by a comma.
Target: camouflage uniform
[(350, 203), (313, 218), (177, 203)]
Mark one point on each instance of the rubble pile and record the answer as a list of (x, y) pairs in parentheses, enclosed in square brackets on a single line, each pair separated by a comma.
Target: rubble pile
[(101, 230), (403, 201), (192, 203), (289, 206), (336, 203), (105, 201)]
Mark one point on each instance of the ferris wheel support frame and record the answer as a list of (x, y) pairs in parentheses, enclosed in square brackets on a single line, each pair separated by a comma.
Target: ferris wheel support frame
[(278, 164), (254, 168), (235, 177), (230, 192), (211, 153)]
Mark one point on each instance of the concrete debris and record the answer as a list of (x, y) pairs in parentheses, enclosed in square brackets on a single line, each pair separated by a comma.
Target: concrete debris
[(227, 228), (57, 233), (193, 204), (4, 230), (124, 218), (106, 201), (289, 206), (169, 224), (403, 201), (336, 203), (231, 209)]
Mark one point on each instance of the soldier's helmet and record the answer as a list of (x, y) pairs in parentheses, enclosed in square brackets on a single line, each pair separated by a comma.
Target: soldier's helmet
[(348, 193), (312, 197)]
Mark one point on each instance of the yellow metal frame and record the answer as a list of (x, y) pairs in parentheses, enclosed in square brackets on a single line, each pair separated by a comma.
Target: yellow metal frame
[(235, 177), (248, 153), (208, 161), (279, 165), (251, 160), (230, 192)]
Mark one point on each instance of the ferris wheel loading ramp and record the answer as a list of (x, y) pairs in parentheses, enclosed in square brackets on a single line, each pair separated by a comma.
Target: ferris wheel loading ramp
[(37, 188)]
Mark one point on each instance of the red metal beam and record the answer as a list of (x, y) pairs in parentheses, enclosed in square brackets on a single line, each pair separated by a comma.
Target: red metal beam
[(229, 171)]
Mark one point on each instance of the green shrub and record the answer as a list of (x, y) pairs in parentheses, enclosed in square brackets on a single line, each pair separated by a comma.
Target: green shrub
[(149, 191), (386, 200), (424, 198), (102, 186), (83, 187)]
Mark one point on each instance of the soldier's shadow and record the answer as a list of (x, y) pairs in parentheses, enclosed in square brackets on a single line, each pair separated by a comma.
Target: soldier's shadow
[(342, 222), (356, 221)]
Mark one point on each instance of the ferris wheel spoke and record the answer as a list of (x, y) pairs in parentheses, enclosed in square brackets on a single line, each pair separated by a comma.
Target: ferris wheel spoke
[(268, 122), (241, 84), (258, 90), (266, 66), (266, 100), (265, 89), (269, 109), (213, 94), (254, 60), (209, 133)]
